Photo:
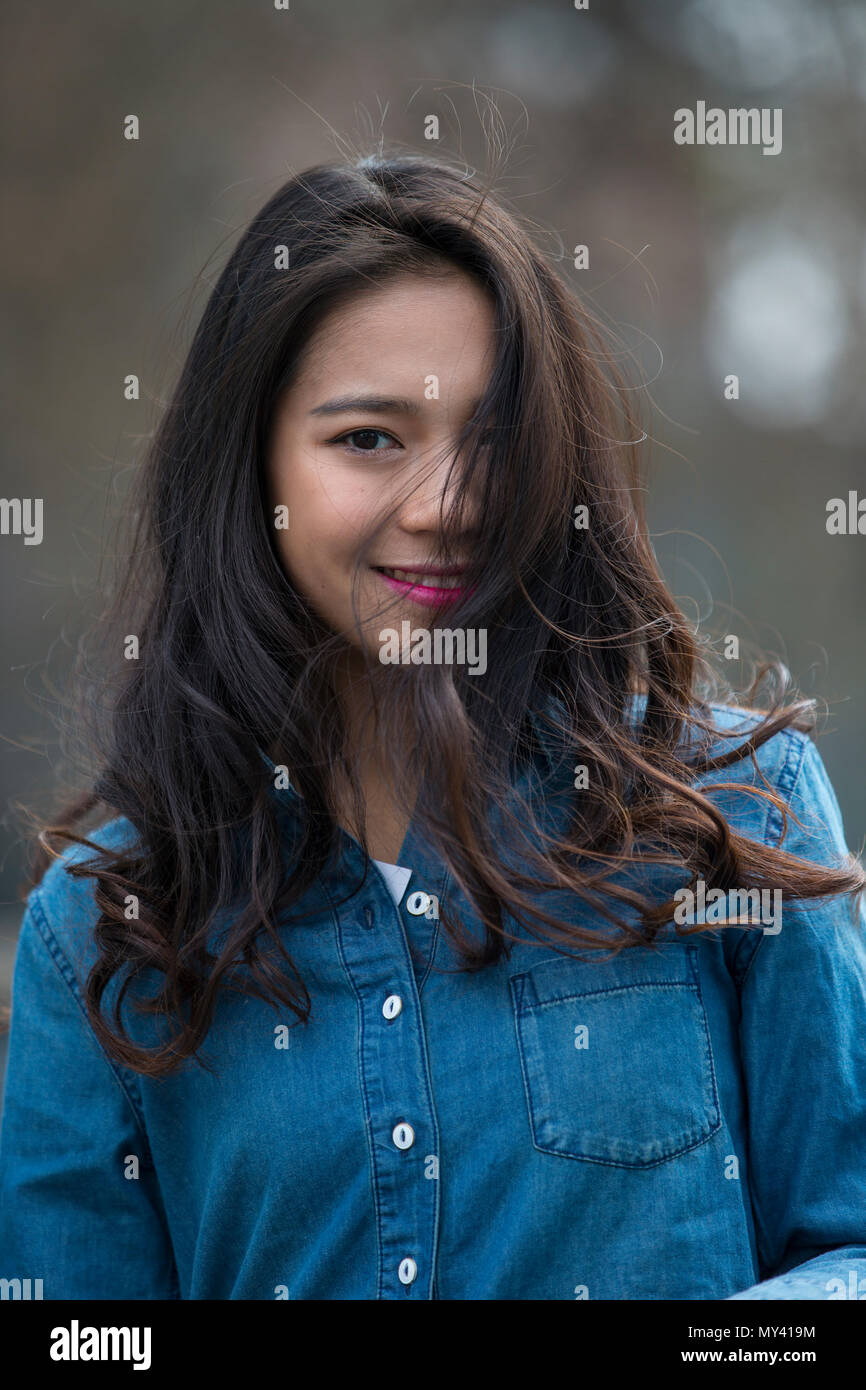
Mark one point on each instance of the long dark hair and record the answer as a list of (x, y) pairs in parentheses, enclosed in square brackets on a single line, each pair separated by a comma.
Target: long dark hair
[(236, 675)]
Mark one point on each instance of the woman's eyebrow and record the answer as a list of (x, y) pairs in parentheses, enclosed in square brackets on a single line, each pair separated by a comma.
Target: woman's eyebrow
[(375, 404), (382, 405)]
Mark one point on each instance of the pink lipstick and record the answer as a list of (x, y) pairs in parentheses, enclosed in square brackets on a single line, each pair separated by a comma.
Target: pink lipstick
[(424, 584)]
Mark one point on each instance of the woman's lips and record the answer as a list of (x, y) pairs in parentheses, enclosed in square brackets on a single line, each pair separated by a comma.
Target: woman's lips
[(426, 589)]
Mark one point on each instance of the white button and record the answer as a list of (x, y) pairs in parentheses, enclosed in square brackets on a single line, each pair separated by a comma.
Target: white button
[(418, 903), (403, 1135), (392, 1006), (407, 1271)]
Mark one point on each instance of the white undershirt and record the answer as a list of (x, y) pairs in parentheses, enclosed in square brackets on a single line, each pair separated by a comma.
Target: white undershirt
[(396, 877)]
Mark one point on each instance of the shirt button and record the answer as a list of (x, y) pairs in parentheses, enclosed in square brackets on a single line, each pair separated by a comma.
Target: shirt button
[(392, 1006), (407, 1271), (418, 903), (403, 1135)]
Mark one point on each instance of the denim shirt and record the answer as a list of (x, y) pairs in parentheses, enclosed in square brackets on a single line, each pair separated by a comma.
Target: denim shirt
[(686, 1121)]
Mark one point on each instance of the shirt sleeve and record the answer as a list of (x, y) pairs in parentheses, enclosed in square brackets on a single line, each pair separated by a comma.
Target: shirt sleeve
[(80, 1207), (803, 1047)]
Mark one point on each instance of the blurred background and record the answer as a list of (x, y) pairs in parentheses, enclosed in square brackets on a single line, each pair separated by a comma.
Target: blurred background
[(704, 260)]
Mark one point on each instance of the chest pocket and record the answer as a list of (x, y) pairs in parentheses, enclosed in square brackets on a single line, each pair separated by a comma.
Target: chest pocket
[(616, 1057)]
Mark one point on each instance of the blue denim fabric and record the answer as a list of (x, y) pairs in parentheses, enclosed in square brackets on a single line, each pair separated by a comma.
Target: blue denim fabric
[(709, 1141)]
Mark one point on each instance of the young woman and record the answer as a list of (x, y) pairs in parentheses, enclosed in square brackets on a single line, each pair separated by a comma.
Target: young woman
[(443, 930)]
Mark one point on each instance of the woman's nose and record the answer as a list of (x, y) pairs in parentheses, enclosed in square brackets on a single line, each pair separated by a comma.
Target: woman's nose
[(430, 493)]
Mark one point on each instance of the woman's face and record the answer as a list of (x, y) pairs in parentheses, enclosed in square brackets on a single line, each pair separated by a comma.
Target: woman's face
[(361, 430)]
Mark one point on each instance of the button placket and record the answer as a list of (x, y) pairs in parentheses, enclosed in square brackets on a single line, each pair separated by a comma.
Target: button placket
[(419, 914), (396, 1092)]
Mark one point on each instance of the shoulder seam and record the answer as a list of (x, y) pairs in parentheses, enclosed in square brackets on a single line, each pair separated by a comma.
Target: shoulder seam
[(789, 775), (67, 974)]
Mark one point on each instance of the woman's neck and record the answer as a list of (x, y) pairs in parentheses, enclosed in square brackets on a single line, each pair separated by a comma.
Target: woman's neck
[(372, 752)]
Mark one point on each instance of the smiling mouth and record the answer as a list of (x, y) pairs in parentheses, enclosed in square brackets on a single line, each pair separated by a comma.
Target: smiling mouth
[(423, 579), (425, 588)]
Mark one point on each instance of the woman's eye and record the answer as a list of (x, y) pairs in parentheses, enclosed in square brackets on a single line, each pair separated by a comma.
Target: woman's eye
[(365, 441)]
